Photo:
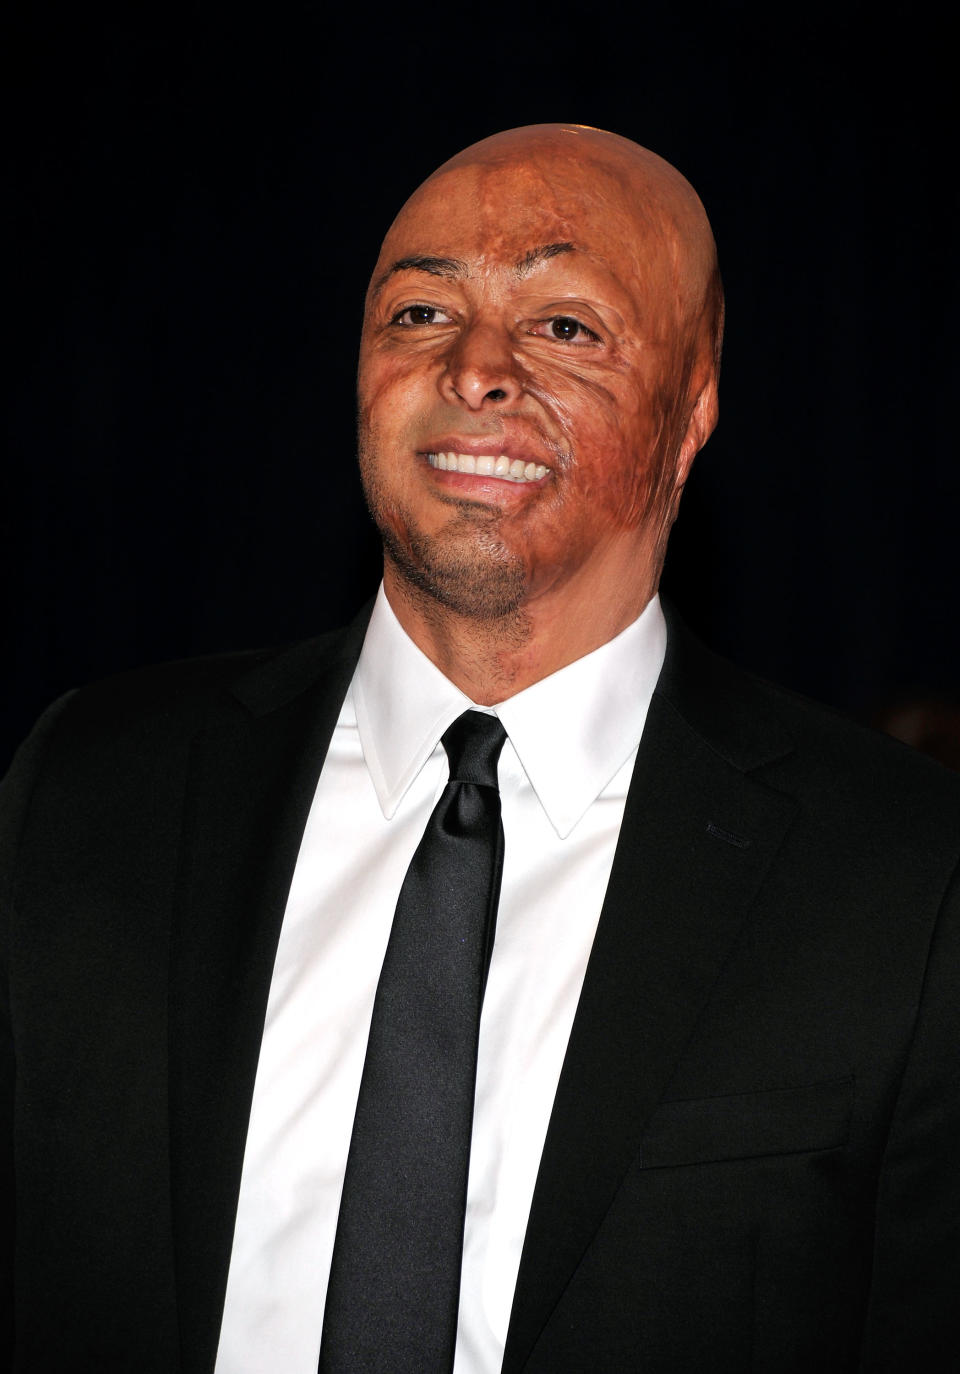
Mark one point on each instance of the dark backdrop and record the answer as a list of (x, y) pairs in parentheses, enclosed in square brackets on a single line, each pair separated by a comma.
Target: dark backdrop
[(198, 198)]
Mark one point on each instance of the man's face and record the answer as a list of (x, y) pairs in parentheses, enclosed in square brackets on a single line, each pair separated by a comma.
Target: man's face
[(523, 386)]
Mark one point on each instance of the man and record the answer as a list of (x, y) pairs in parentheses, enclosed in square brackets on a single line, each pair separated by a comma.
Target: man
[(717, 1114)]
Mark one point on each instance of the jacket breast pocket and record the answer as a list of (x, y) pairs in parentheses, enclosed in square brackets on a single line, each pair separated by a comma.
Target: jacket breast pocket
[(747, 1125)]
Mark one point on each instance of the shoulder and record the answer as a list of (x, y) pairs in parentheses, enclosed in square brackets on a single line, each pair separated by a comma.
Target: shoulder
[(837, 769), (169, 700), (128, 736)]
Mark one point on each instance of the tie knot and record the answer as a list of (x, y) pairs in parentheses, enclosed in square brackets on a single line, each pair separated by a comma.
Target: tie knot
[(473, 743)]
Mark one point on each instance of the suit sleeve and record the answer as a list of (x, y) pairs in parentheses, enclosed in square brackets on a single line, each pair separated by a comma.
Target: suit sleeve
[(16, 791), (913, 1318)]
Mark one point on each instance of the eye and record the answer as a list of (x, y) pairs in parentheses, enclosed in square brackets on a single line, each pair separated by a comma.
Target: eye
[(420, 314), (566, 329)]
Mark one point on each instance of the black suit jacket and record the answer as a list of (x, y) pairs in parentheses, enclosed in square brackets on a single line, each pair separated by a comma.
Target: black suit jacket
[(753, 1162)]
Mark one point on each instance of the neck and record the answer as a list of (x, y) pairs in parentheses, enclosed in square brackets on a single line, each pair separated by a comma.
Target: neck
[(491, 659)]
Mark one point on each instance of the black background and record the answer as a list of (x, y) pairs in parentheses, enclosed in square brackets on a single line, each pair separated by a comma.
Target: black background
[(197, 200)]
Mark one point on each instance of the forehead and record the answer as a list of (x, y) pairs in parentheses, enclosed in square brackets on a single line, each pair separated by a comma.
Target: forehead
[(494, 215)]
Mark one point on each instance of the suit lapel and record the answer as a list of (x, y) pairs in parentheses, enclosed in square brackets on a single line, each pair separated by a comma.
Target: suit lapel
[(697, 837), (249, 793)]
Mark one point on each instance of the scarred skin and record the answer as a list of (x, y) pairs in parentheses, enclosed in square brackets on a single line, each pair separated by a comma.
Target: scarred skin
[(597, 358)]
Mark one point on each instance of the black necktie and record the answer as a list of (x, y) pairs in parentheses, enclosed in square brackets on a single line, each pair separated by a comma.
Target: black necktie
[(395, 1278)]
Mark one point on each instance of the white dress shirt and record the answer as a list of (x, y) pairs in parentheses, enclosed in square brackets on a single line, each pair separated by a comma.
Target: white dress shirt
[(564, 774)]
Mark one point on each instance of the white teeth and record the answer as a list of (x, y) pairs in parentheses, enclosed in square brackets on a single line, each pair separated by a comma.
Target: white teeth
[(489, 465)]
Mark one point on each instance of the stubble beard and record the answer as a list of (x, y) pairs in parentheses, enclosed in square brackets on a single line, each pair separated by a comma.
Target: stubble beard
[(466, 570)]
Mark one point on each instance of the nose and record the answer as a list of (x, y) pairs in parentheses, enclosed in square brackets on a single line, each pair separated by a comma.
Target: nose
[(481, 370)]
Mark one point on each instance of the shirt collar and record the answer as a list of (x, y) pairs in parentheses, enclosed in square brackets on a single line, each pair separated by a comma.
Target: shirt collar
[(572, 731)]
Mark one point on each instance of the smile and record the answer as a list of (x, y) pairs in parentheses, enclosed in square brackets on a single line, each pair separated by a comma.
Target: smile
[(489, 465)]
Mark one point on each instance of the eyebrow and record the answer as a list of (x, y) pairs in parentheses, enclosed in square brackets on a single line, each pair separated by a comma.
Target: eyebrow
[(455, 267), (437, 267), (537, 255)]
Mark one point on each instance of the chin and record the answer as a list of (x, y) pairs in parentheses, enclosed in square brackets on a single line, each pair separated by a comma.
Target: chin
[(478, 583)]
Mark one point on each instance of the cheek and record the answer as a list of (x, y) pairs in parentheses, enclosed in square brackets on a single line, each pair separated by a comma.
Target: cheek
[(379, 413), (391, 387), (391, 403), (380, 396), (616, 435)]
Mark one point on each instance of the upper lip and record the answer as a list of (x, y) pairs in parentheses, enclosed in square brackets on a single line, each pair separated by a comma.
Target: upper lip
[(478, 445)]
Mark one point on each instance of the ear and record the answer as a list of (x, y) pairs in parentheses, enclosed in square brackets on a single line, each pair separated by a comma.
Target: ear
[(701, 424)]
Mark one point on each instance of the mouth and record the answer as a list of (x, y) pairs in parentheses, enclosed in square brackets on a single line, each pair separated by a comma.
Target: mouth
[(497, 465)]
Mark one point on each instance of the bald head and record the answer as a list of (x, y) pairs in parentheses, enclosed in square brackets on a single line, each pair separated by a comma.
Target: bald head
[(593, 178)]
